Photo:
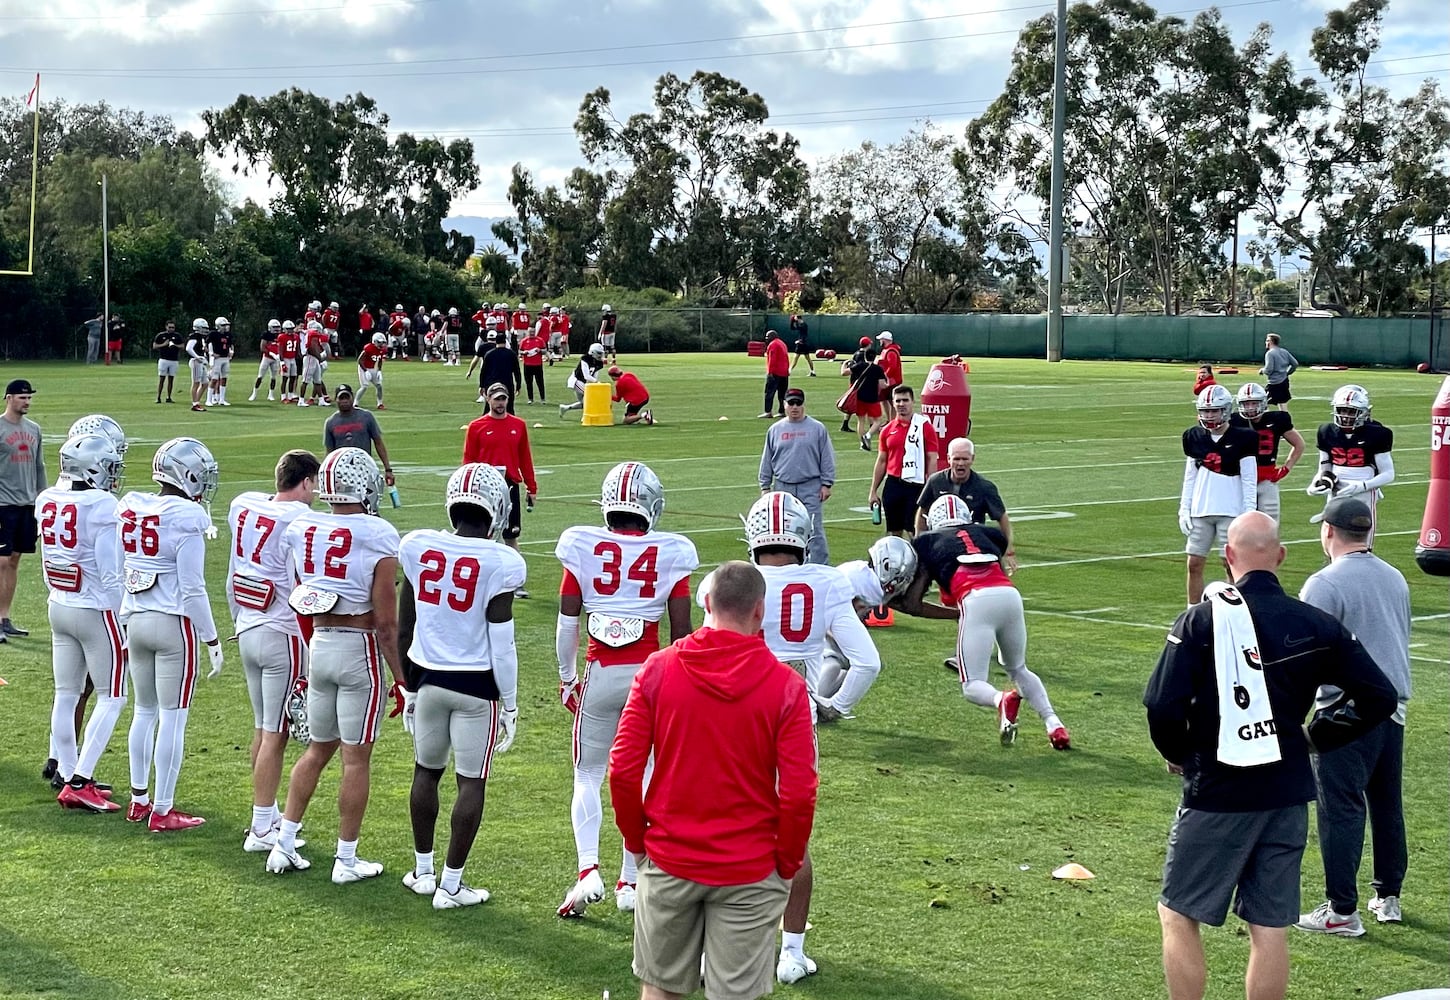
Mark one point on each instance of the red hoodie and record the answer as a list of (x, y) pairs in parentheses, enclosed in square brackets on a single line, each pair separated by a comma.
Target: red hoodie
[(733, 793)]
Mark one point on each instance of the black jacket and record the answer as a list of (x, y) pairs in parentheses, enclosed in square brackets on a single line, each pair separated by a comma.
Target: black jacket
[(1301, 648), (501, 364)]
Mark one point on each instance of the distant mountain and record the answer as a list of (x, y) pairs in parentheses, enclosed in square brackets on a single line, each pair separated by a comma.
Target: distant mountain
[(479, 228)]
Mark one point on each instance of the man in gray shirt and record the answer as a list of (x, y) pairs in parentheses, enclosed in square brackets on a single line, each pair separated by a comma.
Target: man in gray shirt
[(22, 477), (800, 460), (351, 427), (1371, 599), (1279, 364)]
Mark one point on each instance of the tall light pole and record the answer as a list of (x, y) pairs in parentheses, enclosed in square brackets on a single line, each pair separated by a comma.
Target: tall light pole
[(1054, 245), (105, 268)]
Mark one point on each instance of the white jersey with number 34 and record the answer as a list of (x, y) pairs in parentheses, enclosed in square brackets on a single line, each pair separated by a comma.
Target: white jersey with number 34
[(626, 574), (338, 553), (454, 578)]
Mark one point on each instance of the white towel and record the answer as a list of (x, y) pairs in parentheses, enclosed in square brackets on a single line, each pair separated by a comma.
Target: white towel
[(1246, 734), (913, 459)]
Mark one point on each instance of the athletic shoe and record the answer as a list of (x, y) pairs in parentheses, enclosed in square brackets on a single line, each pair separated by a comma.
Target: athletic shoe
[(793, 967), (103, 788), (253, 397), (762, 416), (1060, 738), (137, 813), (480, 399), (827, 713), (562, 410), (170, 400), (1007, 710), (57, 782), (589, 889), (624, 893), (846, 425), (951, 664), (813, 375), (47, 772), (279, 861), (649, 418), (223, 402), (257, 843), (86, 796), (380, 406), (10, 628), (173, 821), (1323, 920), (1386, 909), (521, 594), (424, 885), (466, 895), (158, 400), (342, 874), (271, 398), (865, 443)]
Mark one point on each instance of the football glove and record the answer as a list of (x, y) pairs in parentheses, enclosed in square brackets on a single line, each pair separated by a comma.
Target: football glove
[(215, 652), (1353, 487), (570, 693), (1322, 484), (1279, 473), (402, 704), (1185, 523), (508, 727)]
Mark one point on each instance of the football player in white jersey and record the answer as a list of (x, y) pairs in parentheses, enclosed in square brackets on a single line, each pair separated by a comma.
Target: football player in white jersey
[(269, 635), (851, 662), (345, 561), (166, 610), (456, 620), (626, 576), (80, 552)]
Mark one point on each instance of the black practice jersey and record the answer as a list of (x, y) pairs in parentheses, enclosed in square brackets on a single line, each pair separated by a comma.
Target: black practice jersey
[(939, 550), (1356, 449), (1221, 456), (1270, 430)]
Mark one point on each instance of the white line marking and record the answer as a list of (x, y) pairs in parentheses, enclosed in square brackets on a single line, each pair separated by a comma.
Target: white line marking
[(1428, 659), (1428, 618), (1103, 621), (1179, 552)]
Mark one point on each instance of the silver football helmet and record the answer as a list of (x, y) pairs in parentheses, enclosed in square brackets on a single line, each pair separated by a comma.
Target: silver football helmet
[(893, 560), (607, 308), (1350, 407), (273, 325), (482, 486), (1215, 406), (1252, 401), (188, 465), (92, 459), (778, 519), (222, 324), (596, 350), (951, 510), (200, 325), (380, 340), (633, 488), (289, 325), (332, 305), (99, 423), (453, 311), (349, 475)]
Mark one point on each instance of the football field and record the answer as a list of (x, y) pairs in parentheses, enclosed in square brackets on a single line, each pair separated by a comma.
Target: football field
[(934, 845)]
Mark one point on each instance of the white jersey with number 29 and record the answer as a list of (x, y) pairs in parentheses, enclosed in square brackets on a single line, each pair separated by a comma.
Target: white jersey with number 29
[(454, 578), (338, 553)]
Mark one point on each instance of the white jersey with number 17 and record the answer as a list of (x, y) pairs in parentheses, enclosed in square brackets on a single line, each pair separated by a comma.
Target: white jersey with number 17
[(259, 556), (454, 578)]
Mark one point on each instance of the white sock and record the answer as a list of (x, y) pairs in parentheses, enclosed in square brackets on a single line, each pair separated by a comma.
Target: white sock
[(452, 879), (142, 744), (1052, 722), (63, 732), (287, 835), (793, 943), (629, 869), (261, 820), (422, 863), (587, 813), (141, 800), (858, 681), (98, 734), (170, 748), (346, 851)]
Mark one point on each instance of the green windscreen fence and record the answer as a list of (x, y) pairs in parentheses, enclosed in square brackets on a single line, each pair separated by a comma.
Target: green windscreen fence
[(1398, 343)]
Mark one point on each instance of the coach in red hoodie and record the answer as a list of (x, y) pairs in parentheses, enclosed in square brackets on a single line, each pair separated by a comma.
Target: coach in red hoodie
[(724, 825)]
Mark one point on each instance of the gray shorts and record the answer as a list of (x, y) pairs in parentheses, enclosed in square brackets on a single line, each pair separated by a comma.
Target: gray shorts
[(198, 370), (451, 340), (267, 366), (289, 367), (1269, 498), (165, 368), (600, 705), (446, 720), (273, 662), (676, 921), (1252, 857), (165, 658), (311, 370), (87, 642), (221, 368), (990, 617), (1206, 533), (345, 688)]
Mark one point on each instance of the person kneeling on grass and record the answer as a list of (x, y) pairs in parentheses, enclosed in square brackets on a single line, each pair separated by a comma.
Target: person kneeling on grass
[(631, 390)]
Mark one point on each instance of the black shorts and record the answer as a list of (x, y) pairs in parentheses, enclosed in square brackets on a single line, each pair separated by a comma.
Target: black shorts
[(1277, 392), (630, 409), (516, 513), (1253, 858), (17, 530), (803, 346), (898, 503)]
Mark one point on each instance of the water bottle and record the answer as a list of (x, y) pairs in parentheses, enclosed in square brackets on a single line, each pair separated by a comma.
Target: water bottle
[(876, 512), (393, 496)]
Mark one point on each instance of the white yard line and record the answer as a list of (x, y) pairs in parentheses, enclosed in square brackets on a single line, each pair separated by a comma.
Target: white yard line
[(1104, 621)]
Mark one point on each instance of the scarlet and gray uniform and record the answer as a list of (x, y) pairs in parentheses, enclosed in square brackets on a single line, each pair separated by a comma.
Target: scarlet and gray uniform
[(269, 364), (316, 350), (80, 553), (1359, 455), (1269, 428), (258, 582), (219, 348), (625, 580), (454, 578), (335, 555), (1220, 482), (196, 357), (990, 607), (370, 368)]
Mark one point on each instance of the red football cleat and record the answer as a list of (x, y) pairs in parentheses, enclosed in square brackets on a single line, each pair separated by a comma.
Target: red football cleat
[(172, 821), (1060, 738), (137, 813), (87, 796), (1007, 710)]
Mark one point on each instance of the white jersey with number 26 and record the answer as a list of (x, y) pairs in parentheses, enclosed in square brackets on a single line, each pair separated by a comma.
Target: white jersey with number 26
[(454, 578), (338, 553)]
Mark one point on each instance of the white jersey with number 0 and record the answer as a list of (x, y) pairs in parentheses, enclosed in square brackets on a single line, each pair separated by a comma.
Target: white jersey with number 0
[(163, 539), (454, 578), (80, 547), (259, 529), (802, 604), (629, 575), (338, 553)]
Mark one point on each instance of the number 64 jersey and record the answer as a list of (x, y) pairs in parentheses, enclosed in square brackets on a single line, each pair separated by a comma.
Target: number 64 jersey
[(626, 580)]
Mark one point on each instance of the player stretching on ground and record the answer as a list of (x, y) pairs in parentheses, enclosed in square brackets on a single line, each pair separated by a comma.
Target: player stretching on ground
[(887, 570), (457, 622), (626, 576)]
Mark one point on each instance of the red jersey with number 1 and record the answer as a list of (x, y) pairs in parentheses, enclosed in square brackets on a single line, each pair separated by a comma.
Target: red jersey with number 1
[(963, 558), (624, 578)]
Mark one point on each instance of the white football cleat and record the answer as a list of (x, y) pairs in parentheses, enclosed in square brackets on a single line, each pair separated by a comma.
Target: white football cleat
[(425, 884), (589, 889), (342, 874), (271, 398), (279, 861), (624, 893), (257, 843), (253, 397), (465, 896), (793, 967)]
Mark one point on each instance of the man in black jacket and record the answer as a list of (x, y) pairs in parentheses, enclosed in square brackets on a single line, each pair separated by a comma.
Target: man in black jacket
[(500, 365), (1241, 830)]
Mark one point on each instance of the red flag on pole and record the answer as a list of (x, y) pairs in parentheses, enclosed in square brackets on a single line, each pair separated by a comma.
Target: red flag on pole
[(34, 91)]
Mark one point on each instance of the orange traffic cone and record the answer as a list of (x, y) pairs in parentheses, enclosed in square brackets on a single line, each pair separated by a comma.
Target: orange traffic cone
[(880, 617)]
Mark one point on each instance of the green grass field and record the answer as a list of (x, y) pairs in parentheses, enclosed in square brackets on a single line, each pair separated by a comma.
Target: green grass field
[(933, 844)]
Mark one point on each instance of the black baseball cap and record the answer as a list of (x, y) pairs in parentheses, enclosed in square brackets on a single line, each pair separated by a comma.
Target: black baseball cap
[(343, 390), (496, 390), (1349, 513), (19, 387), (795, 395)]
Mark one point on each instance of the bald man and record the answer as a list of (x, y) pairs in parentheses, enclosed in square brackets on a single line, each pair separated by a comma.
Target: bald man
[(1243, 821)]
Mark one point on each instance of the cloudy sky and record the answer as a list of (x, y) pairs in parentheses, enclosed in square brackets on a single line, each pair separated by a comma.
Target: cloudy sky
[(510, 75)]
